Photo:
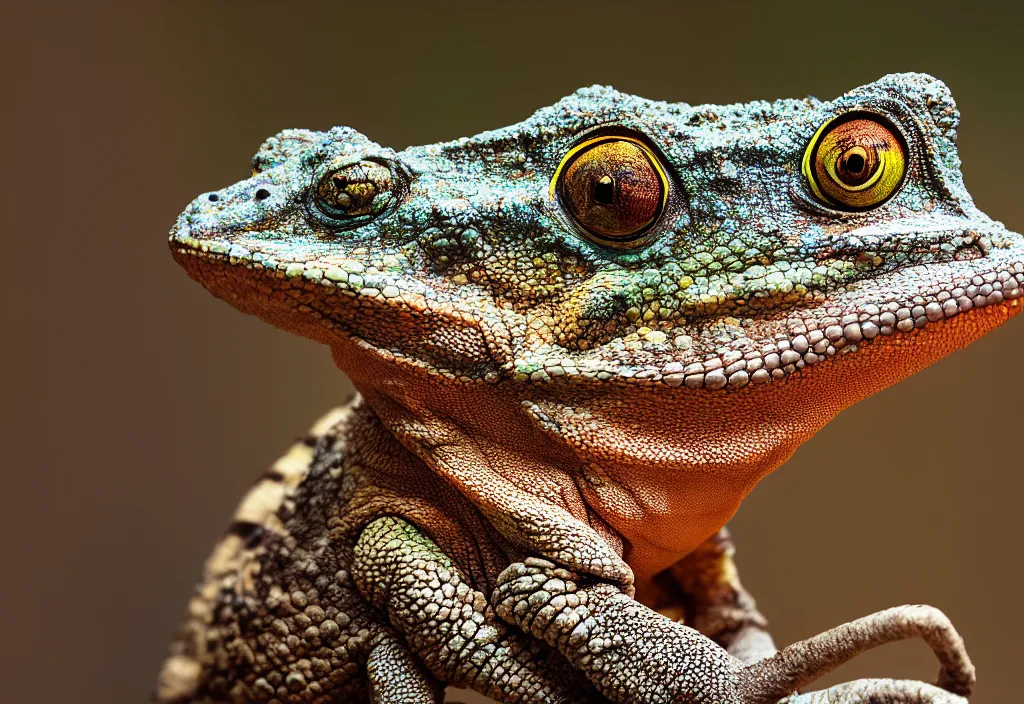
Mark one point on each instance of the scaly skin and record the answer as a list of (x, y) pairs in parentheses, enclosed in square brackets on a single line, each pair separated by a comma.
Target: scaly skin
[(555, 427)]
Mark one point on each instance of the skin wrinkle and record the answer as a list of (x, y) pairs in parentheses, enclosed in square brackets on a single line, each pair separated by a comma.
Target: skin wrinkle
[(493, 498), (548, 416)]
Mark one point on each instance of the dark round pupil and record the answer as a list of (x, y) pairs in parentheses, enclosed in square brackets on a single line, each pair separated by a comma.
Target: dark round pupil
[(604, 190), (855, 163)]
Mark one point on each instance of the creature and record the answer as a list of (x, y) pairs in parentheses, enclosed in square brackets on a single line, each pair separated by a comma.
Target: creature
[(579, 342)]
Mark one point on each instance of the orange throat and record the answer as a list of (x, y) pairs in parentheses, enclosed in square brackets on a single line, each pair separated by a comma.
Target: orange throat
[(649, 471)]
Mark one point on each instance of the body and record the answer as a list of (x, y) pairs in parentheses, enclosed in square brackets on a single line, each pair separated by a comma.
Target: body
[(580, 342)]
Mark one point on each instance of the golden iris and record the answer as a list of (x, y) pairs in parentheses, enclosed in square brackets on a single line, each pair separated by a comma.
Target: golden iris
[(613, 187), (364, 188), (855, 162)]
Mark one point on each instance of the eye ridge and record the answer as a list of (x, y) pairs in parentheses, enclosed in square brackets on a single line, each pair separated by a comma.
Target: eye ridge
[(879, 147), (613, 187)]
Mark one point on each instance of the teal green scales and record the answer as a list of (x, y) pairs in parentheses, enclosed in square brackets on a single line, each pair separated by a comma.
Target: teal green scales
[(742, 233)]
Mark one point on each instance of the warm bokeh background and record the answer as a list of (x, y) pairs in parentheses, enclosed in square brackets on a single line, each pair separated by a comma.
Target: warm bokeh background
[(138, 408)]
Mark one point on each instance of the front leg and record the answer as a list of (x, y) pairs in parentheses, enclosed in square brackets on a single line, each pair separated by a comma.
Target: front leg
[(450, 626), (634, 655)]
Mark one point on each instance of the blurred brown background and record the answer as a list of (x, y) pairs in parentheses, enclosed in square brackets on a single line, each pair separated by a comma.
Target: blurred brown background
[(138, 408)]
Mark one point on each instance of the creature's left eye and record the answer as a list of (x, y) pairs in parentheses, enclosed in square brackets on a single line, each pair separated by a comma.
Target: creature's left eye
[(855, 162), (613, 187), (356, 192)]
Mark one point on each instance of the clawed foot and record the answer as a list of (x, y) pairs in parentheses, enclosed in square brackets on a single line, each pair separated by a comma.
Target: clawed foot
[(632, 654)]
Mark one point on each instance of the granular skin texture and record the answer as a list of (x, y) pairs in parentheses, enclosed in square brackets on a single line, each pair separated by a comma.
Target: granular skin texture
[(561, 406)]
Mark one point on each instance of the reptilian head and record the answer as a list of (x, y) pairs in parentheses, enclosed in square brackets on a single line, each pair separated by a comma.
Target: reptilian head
[(642, 294), (673, 287), (614, 239)]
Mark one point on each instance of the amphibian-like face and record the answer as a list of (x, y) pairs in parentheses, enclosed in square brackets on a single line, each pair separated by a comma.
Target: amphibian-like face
[(614, 238), (656, 301)]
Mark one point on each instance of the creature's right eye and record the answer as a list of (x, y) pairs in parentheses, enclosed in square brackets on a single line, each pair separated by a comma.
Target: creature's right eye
[(613, 187), (356, 192)]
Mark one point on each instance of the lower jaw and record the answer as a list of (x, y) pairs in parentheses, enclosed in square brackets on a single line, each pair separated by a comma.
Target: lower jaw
[(820, 335)]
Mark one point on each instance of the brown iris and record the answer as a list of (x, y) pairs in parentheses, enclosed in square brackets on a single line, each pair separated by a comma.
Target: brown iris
[(613, 187), (855, 162)]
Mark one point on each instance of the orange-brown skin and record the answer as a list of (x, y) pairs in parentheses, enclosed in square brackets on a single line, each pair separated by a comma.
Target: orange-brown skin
[(663, 469)]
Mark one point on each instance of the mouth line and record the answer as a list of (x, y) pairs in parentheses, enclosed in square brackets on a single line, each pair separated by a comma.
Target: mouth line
[(820, 335), (828, 330), (784, 344)]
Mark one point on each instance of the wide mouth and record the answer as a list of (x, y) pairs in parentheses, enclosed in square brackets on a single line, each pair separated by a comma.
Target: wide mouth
[(281, 296), (780, 342)]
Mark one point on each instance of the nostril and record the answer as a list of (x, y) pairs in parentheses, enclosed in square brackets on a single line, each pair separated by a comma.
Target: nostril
[(213, 197), (262, 194)]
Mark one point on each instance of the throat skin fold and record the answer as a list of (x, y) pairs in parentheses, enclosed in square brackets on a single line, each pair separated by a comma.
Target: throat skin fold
[(622, 481)]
